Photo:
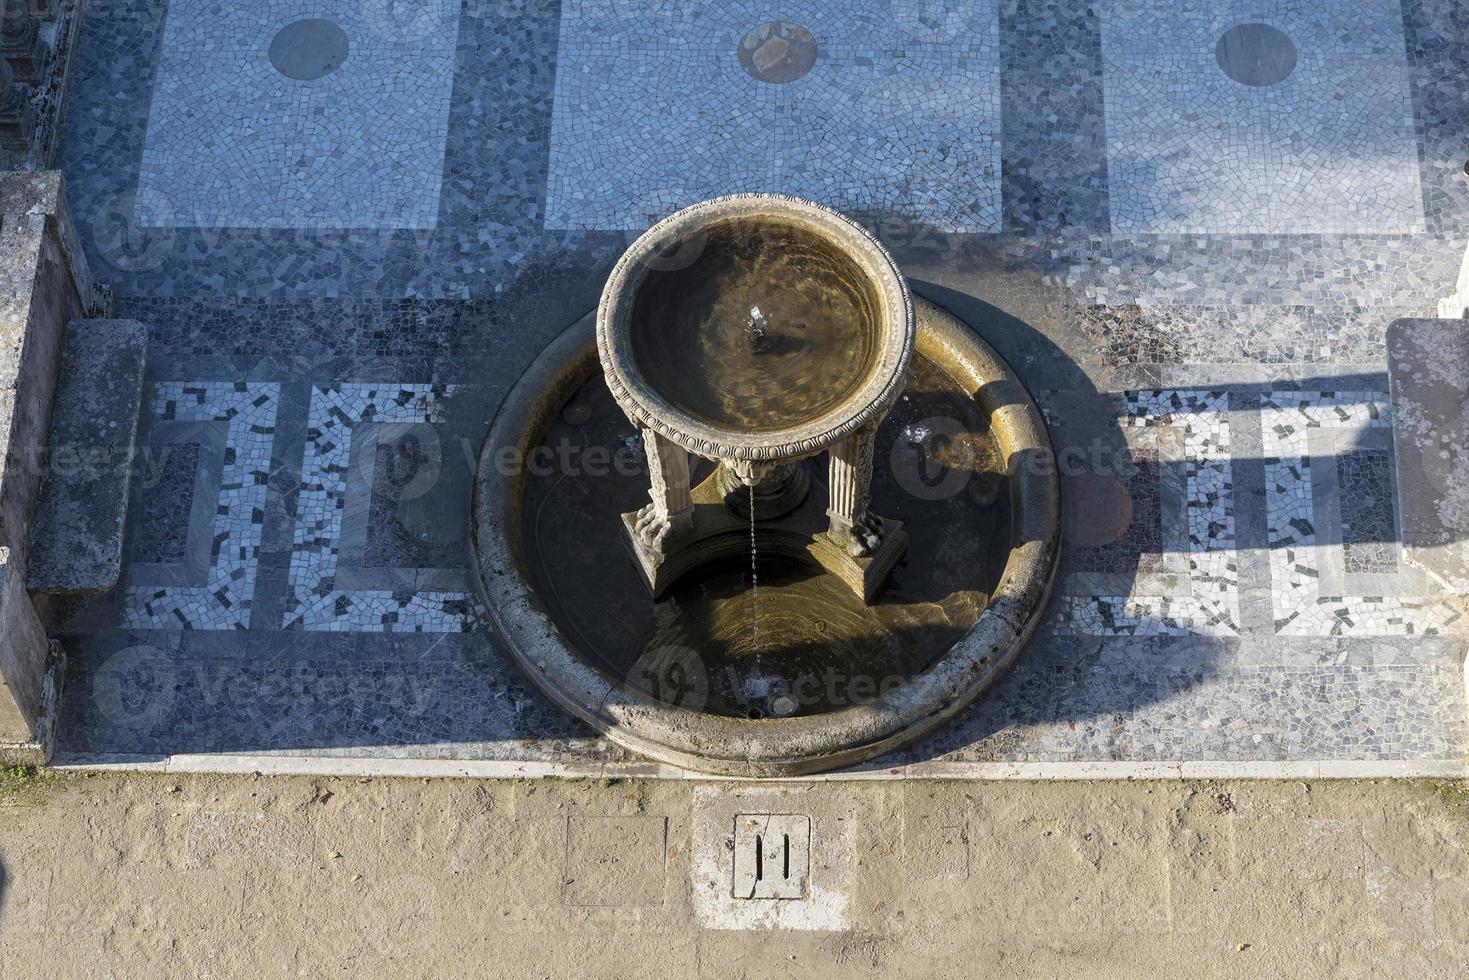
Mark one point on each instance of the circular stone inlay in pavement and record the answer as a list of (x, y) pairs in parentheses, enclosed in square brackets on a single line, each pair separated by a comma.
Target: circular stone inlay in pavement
[(778, 52), (1256, 54), (309, 49)]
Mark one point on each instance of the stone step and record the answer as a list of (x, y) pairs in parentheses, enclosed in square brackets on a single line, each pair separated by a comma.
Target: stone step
[(1428, 369), (76, 543)]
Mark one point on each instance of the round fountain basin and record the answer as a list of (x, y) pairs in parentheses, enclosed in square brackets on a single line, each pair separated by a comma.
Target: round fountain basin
[(755, 327), (965, 463)]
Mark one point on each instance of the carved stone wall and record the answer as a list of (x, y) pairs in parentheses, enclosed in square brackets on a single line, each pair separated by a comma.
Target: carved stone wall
[(37, 43)]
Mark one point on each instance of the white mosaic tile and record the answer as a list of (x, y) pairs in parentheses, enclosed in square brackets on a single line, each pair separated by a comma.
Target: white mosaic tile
[(232, 142), (1330, 148), (1298, 555), (654, 111), (1209, 605), (224, 602), (316, 603)]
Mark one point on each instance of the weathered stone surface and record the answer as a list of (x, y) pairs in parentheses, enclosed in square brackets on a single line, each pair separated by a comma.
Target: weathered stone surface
[(77, 535), (37, 53), (1428, 365), (30, 673), (43, 286)]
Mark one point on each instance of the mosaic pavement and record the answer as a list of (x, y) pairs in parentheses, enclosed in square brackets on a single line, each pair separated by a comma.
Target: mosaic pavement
[(900, 112), (1187, 235), (233, 142), (223, 599), (1323, 583), (1325, 144), (1198, 588), (345, 443)]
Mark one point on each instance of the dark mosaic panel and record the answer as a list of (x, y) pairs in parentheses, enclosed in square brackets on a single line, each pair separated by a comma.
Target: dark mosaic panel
[(150, 693), (1173, 334), (1327, 271), (1139, 545), (403, 525), (485, 341), (1369, 532), (1078, 699), (1437, 34), (161, 531), (1055, 175)]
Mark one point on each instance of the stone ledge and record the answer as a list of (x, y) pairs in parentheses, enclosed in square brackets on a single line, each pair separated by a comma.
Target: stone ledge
[(1428, 370), (361, 766), (38, 748), (31, 669), (35, 201), (80, 520), (45, 285)]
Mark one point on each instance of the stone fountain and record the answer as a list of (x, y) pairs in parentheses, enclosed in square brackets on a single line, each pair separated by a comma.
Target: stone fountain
[(758, 332), (838, 520)]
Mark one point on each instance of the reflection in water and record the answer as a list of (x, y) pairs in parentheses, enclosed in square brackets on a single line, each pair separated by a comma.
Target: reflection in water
[(819, 648), (768, 328)]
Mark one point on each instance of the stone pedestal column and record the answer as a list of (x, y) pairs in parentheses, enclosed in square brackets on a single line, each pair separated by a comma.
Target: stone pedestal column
[(671, 511), (851, 493)]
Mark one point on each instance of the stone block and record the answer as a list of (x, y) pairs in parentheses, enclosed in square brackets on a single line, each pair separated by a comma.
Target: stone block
[(77, 533), (1428, 369), (31, 668), (46, 285)]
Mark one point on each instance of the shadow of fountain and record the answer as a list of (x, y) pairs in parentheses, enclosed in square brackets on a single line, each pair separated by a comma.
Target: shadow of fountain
[(291, 690), (1069, 695)]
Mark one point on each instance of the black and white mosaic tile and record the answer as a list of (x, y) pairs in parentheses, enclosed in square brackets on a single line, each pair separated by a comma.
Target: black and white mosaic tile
[(1305, 432), (1369, 528), (1205, 599), (247, 412), (319, 602), (161, 529)]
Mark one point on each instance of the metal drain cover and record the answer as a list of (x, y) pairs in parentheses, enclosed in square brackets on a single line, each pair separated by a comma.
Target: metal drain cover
[(772, 855)]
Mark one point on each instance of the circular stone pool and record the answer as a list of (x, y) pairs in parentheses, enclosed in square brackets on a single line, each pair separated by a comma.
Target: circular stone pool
[(823, 680)]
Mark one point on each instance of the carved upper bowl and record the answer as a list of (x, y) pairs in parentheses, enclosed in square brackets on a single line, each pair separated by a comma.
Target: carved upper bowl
[(755, 327)]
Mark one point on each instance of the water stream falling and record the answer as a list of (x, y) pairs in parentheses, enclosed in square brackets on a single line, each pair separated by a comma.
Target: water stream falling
[(754, 583), (759, 339)]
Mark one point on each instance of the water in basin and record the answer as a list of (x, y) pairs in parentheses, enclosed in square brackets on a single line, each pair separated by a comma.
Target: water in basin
[(767, 328)]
